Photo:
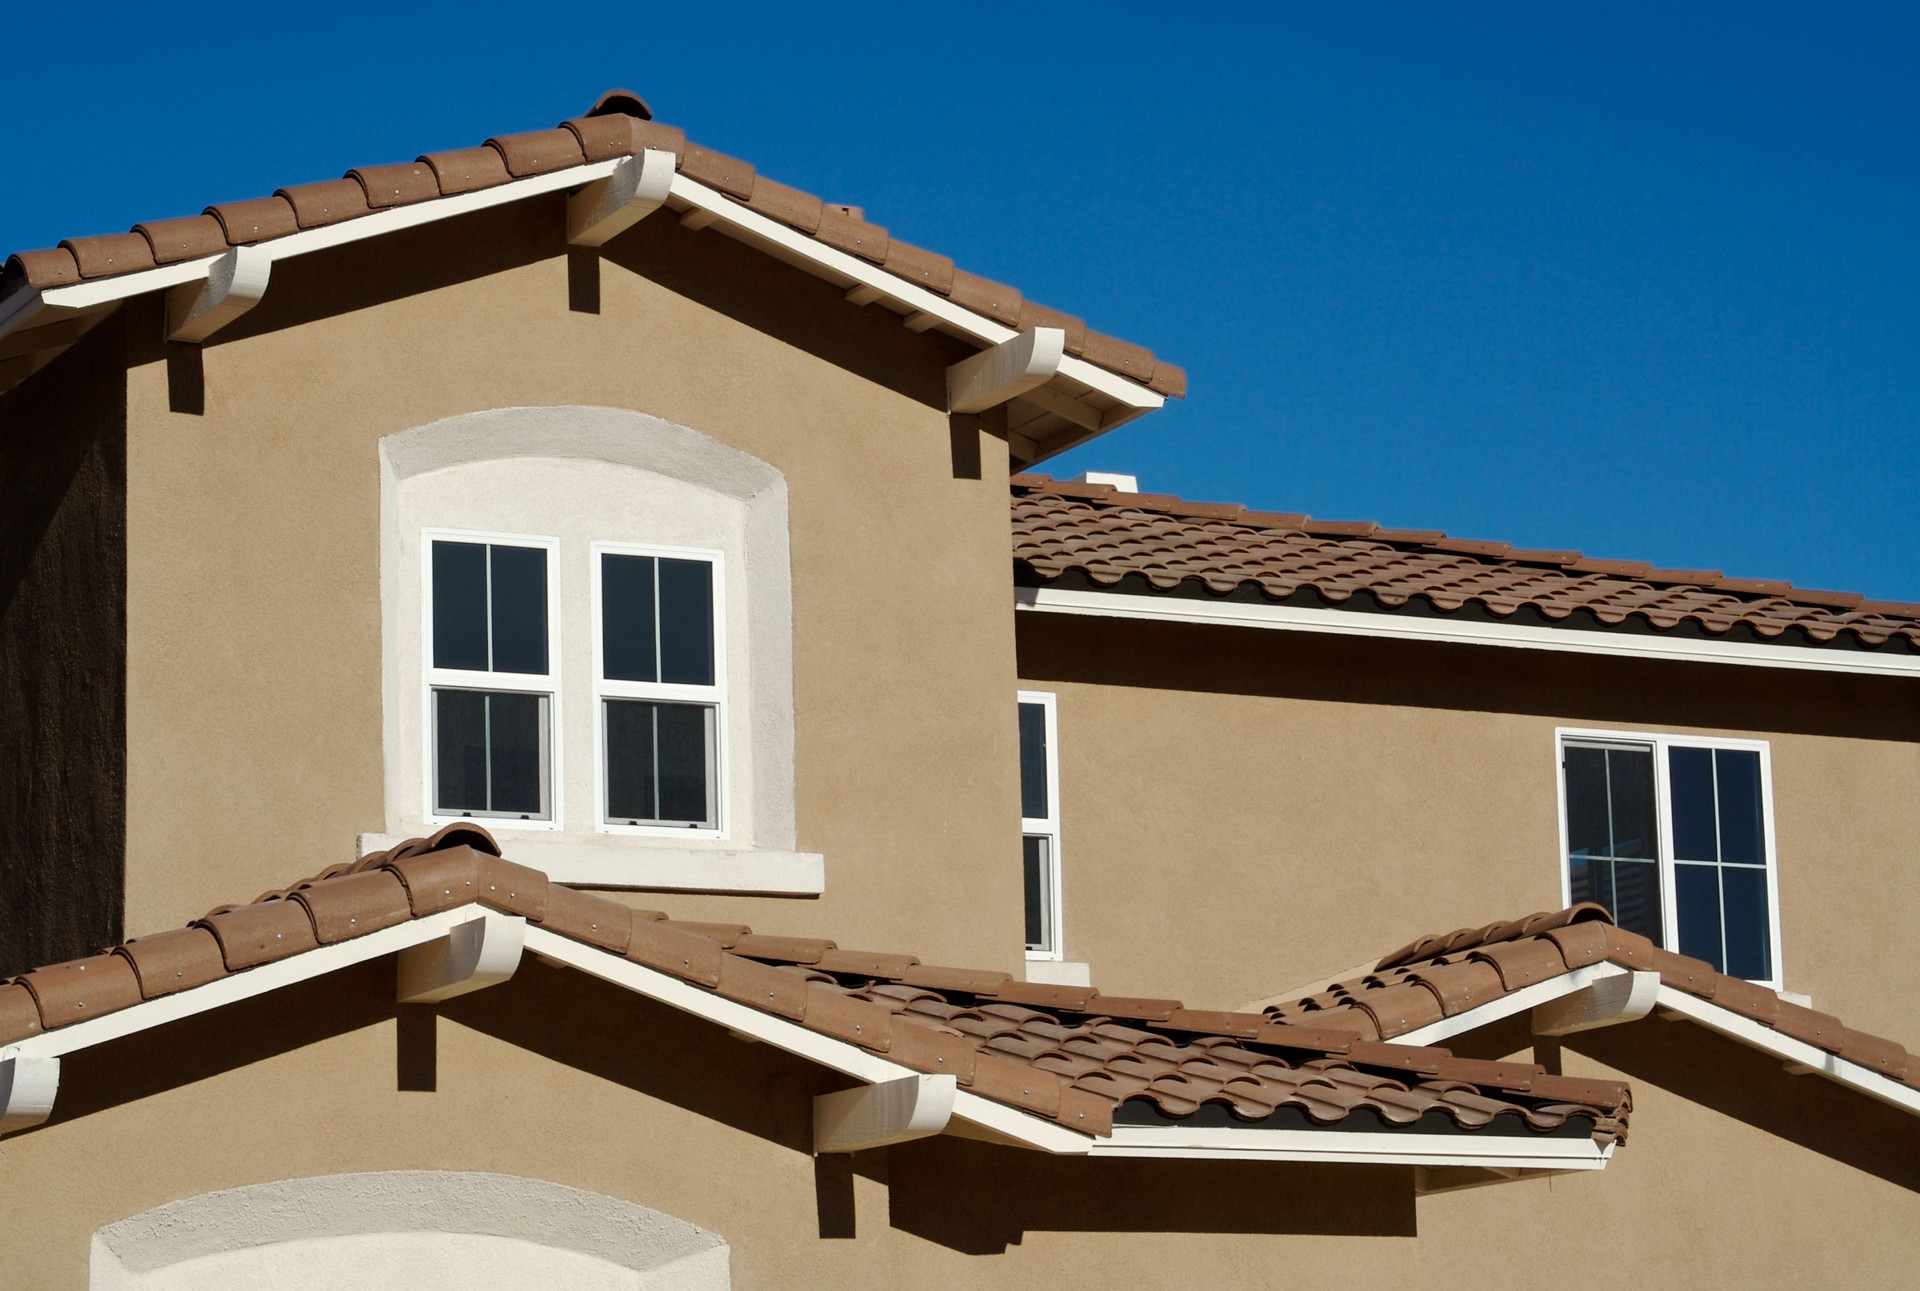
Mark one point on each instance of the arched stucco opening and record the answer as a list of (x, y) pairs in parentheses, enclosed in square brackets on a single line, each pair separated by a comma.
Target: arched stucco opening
[(417, 1228)]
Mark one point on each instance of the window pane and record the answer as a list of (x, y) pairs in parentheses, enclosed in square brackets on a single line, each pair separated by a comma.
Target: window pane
[(1580, 879), (519, 609), (1693, 830), (1039, 879), (626, 618), (460, 605), (1697, 901), (1749, 938), (686, 622), (1742, 839), (1635, 897), (460, 751), (684, 762), (1630, 790), (513, 723), (1033, 762), (1586, 772), (630, 778)]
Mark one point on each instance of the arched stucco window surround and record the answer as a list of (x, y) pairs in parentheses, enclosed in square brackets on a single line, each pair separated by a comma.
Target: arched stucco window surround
[(416, 1228), (578, 477)]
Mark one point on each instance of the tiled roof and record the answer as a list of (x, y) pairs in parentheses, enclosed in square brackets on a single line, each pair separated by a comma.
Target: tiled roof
[(1445, 975), (1063, 529), (619, 125), (1068, 1054)]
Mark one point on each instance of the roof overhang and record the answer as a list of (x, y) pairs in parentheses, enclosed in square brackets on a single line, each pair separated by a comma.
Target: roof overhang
[(470, 947), (1601, 995), (1172, 608), (1077, 401)]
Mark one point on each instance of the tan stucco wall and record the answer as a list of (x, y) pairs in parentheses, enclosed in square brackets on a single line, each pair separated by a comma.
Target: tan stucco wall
[(1732, 1176), (1246, 811), (254, 709)]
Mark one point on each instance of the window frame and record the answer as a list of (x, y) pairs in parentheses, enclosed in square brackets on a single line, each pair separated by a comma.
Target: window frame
[(548, 684), (1662, 745), (714, 696), (1047, 827)]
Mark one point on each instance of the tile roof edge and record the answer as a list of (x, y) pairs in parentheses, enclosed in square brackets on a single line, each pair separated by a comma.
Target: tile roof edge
[(1106, 496)]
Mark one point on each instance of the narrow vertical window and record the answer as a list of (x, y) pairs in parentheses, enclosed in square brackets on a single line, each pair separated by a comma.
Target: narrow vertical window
[(490, 677), (1040, 823), (1671, 835), (659, 683)]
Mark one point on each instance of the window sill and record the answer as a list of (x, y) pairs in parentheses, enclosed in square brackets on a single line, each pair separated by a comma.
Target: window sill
[(1059, 972), (607, 861)]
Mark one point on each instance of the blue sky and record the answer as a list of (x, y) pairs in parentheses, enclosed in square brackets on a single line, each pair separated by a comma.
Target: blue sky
[(1638, 279)]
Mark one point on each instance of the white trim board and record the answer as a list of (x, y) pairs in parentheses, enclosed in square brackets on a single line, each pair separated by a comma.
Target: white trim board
[(1406, 627), (1251, 1143)]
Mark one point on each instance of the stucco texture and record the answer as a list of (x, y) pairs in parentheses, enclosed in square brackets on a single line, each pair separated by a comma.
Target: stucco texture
[(1734, 1172), (1297, 805), (254, 665)]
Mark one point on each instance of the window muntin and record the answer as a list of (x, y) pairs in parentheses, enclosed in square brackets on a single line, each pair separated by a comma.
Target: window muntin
[(1040, 823), (659, 688), (492, 685), (1674, 835)]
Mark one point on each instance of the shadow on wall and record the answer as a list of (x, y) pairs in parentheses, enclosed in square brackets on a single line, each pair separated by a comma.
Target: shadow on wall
[(1714, 1072), (1359, 670), (980, 1199)]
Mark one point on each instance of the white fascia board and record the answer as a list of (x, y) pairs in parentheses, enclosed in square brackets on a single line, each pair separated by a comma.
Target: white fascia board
[(1789, 1050), (1360, 1147), (1180, 609), (103, 291), (246, 984), (1520, 1001), (907, 298)]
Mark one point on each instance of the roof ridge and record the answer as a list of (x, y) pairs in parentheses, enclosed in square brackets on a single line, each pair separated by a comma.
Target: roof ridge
[(618, 125)]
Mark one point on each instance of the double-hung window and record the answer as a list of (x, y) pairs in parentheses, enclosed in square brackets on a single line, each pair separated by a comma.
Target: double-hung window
[(659, 688), (492, 683), (1674, 835), (1040, 822)]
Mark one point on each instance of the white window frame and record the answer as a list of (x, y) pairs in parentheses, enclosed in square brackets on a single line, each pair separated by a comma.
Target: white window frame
[(548, 684), (1047, 827), (1662, 744), (714, 695)]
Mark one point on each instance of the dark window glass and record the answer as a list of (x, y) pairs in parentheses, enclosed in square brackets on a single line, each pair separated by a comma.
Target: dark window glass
[(686, 622), (684, 763), (1635, 898), (659, 763), (626, 618), (1694, 835), (1039, 892), (631, 782), (1749, 935), (519, 609), (460, 605), (490, 753), (460, 751), (1588, 833), (1630, 789), (514, 749), (1742, 837), (1696, 891), (1033, 761)]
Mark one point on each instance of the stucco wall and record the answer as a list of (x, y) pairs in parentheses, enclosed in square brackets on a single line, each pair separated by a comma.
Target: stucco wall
[(1246, 811), (1735, 1174), (254, 710), (62, 659)]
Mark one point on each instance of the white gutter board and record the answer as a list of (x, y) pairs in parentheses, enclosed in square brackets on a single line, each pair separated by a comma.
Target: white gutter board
[(1407, 627)]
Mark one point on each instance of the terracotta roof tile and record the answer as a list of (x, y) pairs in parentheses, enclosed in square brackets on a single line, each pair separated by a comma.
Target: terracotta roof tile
[(38, 270), (466, 169), (401, 184), (1064, 1053), (327, 202), (538, 152), (1064, 530), (255, 220), (187, 238), (110, 254)]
